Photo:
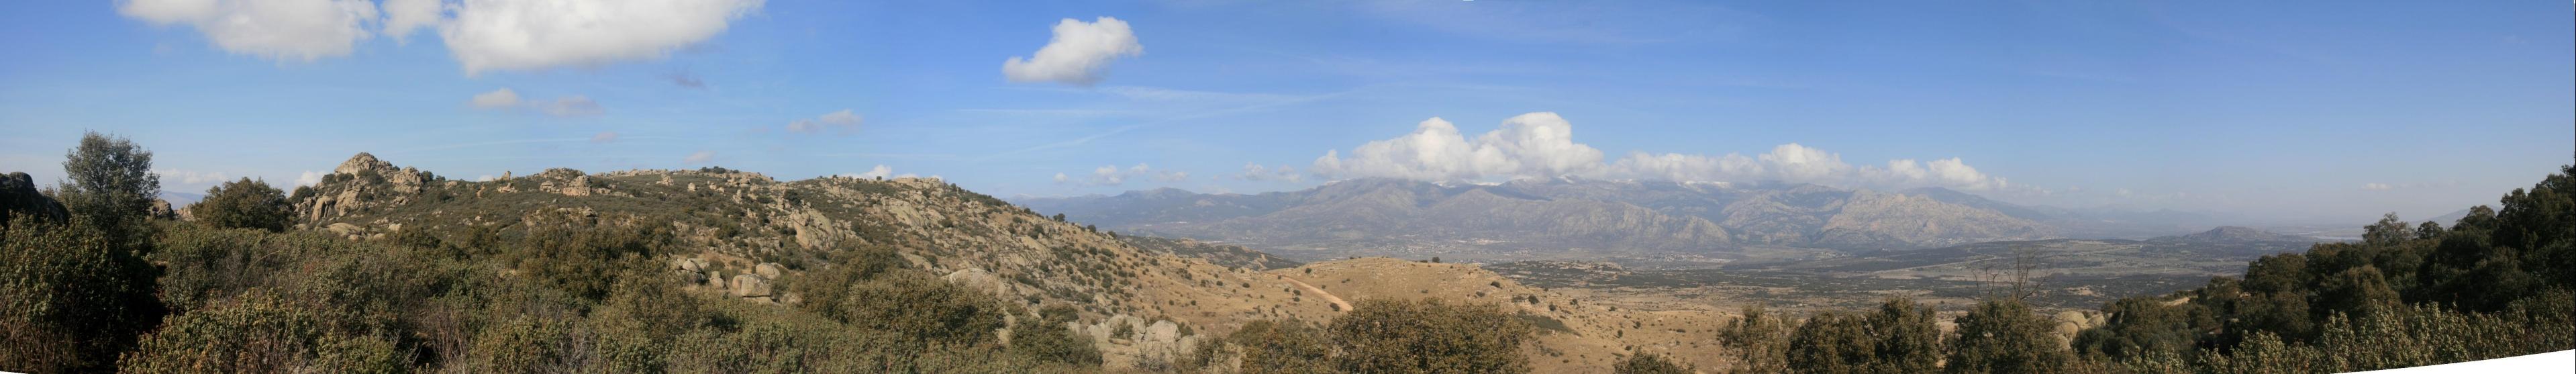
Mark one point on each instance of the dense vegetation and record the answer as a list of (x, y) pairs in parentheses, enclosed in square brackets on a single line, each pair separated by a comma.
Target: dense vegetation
[(111, 289), (1380, 336), (2497, 283)]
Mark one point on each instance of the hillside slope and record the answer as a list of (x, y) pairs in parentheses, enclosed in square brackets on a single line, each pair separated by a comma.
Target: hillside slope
[(744, 233)]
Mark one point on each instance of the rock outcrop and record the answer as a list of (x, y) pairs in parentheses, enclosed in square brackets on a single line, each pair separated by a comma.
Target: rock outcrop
[(359, 183), (19, 197)]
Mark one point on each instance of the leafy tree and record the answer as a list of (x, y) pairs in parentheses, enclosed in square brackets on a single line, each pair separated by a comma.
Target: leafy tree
[(2145, 326), (1907, 341), (1430, 336), (1649, 363), (2004, 336), (1760, 342), (245, 203), (108, 183), (1831, 343)]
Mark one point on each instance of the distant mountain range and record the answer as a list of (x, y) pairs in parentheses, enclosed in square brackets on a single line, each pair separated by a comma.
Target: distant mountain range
[(2235, 234), (1604, 215)]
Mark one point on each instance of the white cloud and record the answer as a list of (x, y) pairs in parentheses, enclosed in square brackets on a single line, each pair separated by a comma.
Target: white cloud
[(1112, 175), (485, 178), (566, 106), (1079, 53), (497, 99), (844, 120), (2377, 186), (309, 178), (280, 30), (1540, 145), (881, 171), (1793, 162), (188, 177), (700, 157), (1256, 172), (1530, 145), (604, 137), (486, 35), (404, 16), (1948, 172)]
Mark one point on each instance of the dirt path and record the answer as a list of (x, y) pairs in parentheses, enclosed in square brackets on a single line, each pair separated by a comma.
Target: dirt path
[(1318, 292)]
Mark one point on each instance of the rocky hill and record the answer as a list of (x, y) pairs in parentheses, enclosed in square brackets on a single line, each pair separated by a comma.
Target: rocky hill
[(1144, 301), (745, 233), (2235, 234)]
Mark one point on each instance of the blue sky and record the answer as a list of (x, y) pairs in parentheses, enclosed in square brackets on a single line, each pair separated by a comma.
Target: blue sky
[(2282, 111)]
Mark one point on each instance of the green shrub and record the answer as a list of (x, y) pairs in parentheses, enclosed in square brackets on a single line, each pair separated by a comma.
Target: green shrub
[(1831, 343), (1759, 340), (1429, 336), (1649, 363), (2004, 336), (922, 307), (260, 333), (70, 298), (246, 204), (1270, 347), (1049, 339)]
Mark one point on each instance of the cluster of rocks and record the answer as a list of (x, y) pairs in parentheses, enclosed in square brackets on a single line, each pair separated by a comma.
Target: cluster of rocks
[(757, 285), (338, 199), (1145, 344)]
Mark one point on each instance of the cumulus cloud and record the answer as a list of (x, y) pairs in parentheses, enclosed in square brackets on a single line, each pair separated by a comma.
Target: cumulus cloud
[(482, 35), (1079, 54), (881, 171), (404, 16), (487, 35), (1112, 175), (604, 137), (566, 106), (1948, 172), (1529, 145), (699, 157), (1541, 145), (282, 30), (310, 178), (1256, 172), (843, 120), (2377, 186)]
